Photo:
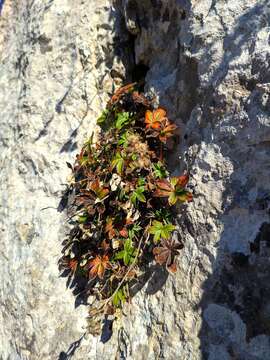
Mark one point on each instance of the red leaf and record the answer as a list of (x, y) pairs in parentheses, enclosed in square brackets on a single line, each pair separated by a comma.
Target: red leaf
[(164, 188), (73, 265), (154, 119), (172, 268), (124, 233), (98, 266), (182, 181)]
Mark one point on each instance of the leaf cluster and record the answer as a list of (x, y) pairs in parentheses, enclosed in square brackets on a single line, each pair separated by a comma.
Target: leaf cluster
[(122, 214)]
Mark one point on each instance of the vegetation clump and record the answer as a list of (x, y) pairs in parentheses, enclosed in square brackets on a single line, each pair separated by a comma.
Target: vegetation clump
[(122, 216)]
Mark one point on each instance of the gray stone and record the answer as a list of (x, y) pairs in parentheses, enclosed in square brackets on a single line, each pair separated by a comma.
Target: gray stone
[(209, 66)]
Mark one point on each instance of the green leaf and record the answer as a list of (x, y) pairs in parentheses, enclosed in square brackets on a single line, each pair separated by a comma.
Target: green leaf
[(121, 194), (163, 214), (159, 170), (161, 230), (88, 144), (141, 181), (123, 139), (82, 219), (119, 297), (102, 117), (115, 299), (122, 296), (135, 229), (166, 230), (133, 198), (172, 198), (119, 255), (128, 246), (84, 160), (118, 163), (128, 254), (138, 195), (122, 120), (126, 258)]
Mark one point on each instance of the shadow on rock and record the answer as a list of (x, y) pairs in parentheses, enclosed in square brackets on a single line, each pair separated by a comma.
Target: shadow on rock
[(71, 350), (235, 304)]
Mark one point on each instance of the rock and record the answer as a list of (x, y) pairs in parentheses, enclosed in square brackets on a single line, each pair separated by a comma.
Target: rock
[(54, 81), (208, 64)]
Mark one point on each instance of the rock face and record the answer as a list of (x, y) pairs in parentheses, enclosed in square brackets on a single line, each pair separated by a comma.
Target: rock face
[(207, 62)]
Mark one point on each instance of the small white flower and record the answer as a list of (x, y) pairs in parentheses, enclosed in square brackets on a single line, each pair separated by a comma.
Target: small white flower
[(128, 205), (129, 214), (115, 182), (115, 244), (136, 215)]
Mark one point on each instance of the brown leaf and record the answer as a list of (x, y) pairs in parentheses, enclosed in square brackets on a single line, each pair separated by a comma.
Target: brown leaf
[(140, 99), (101, 208), (73, 265), (182, 181), (105, 246), (165, 254), (109, 228), (166, 131), (164, 188), (87, 200), (109, 310), (99, 190), (172, 268), (120, 92), (129, 221), (98, 266), (150, 184), (173, 189)]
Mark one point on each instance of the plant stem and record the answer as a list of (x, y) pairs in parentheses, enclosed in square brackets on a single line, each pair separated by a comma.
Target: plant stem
[(126, 274)]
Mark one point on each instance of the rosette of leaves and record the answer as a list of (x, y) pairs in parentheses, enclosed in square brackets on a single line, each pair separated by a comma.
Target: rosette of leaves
[(122, 213)]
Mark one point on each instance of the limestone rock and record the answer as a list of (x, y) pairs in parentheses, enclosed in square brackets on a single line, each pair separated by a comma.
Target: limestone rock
[(208, 64), (54, 80)]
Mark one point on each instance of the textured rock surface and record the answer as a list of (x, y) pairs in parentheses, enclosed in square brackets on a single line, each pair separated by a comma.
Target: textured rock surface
[(54, 77), (209, 66)]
